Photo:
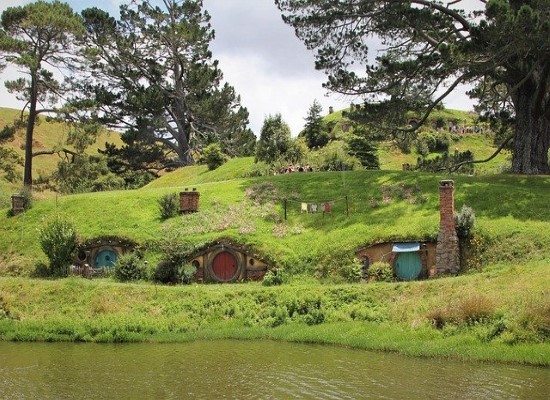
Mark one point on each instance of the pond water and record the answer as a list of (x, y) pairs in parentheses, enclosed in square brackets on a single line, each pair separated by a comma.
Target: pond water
[(250, 370)]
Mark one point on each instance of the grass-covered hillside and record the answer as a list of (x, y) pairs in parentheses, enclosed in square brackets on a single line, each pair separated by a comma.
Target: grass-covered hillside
[(512, 213), (47, 136), (499, 310), (439, 124)]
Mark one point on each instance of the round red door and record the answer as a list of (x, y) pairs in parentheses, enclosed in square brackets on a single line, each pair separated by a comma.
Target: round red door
[(224, 266)]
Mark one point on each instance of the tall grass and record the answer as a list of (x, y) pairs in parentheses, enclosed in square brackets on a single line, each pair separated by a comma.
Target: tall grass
[(385, 316)]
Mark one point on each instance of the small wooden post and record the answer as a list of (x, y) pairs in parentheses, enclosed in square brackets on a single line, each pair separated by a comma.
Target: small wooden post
[(17, 203), (347, 206), (284, 206)]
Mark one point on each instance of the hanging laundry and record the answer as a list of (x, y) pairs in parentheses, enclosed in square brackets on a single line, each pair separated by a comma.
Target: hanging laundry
[(326, 207), (313, 207), (304, 208)]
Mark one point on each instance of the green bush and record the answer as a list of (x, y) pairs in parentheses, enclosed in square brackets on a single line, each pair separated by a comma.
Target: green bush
[(465, 223), (186, 273), (58, 241), (168, 205), (352, 272), (213, 156), (333, 157), (165, 272), (380, 272), (273, 278), (129, 267)]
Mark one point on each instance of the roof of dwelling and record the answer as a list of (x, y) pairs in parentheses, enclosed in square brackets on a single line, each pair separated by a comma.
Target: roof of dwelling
[(251, 252)]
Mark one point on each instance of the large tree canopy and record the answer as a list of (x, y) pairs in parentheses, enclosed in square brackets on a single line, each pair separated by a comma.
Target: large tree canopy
[(429, 48), (38, 38), (152, 74)]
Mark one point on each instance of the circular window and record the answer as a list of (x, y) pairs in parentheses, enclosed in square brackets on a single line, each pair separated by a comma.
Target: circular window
[(105, 258), (81, 255)]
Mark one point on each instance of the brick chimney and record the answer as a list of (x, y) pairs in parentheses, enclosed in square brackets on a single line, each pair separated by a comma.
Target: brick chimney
[(447, 253)]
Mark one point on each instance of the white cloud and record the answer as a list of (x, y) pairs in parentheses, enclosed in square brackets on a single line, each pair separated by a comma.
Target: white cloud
[(12, 3), (264, 93)]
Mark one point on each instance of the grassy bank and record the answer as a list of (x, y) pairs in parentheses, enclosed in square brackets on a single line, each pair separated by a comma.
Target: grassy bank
[(467, 318), (511, 214)]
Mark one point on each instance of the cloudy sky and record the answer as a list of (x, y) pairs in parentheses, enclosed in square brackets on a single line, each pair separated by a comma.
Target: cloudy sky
[(259, 55)]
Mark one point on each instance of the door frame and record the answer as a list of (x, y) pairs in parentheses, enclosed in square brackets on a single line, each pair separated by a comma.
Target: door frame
[(239, 258)]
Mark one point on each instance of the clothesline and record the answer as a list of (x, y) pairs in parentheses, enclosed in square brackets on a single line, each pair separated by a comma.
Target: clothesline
[(315, 201), (324, 206)]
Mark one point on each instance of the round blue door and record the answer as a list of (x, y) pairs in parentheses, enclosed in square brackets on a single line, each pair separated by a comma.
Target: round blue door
[(408, 266), (105, 259)]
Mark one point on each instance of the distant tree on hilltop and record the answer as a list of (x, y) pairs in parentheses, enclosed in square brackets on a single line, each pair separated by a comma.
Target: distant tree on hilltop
[(275, 139), (315, 130)]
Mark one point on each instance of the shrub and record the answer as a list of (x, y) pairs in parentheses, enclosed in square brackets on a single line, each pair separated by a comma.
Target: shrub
[(186, 273), (58, 241), (129, 267), (213, 156), (469, 310), (333, 157), (465, 222), (380, 272), (473, 309), (168, 205), (536, 318), (174, 267), (5, 312), (165, 272), (273, 278), (260, 168), (352, 272), (13, 264)]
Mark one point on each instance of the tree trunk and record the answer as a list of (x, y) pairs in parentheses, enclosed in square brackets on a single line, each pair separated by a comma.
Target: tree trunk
[(532, 136), (27, 177)]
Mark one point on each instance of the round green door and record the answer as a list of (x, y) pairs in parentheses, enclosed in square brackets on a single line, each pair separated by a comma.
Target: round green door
[(408, 266), (105, 259)]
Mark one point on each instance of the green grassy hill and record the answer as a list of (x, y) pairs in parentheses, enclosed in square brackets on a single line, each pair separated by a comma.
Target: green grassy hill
[(511, 212), (480, 144), (47, 136), (499, 312)]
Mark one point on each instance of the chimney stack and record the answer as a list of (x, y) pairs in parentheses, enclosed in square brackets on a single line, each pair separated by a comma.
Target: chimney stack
[(447, 252)]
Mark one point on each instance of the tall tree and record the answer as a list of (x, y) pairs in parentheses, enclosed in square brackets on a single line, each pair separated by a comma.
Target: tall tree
[(275, 139), (315, 131), (38, 38), (152, 73), (430, 48)]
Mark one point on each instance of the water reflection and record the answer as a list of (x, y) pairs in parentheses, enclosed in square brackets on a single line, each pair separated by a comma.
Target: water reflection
[(250, 370)]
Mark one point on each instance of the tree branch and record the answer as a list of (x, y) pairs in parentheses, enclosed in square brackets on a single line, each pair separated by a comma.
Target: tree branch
[(454, 168)]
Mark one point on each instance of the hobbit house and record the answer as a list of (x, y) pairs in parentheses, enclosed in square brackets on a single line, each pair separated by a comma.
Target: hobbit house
[(421, 259), (224, 263), (101, 253)]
